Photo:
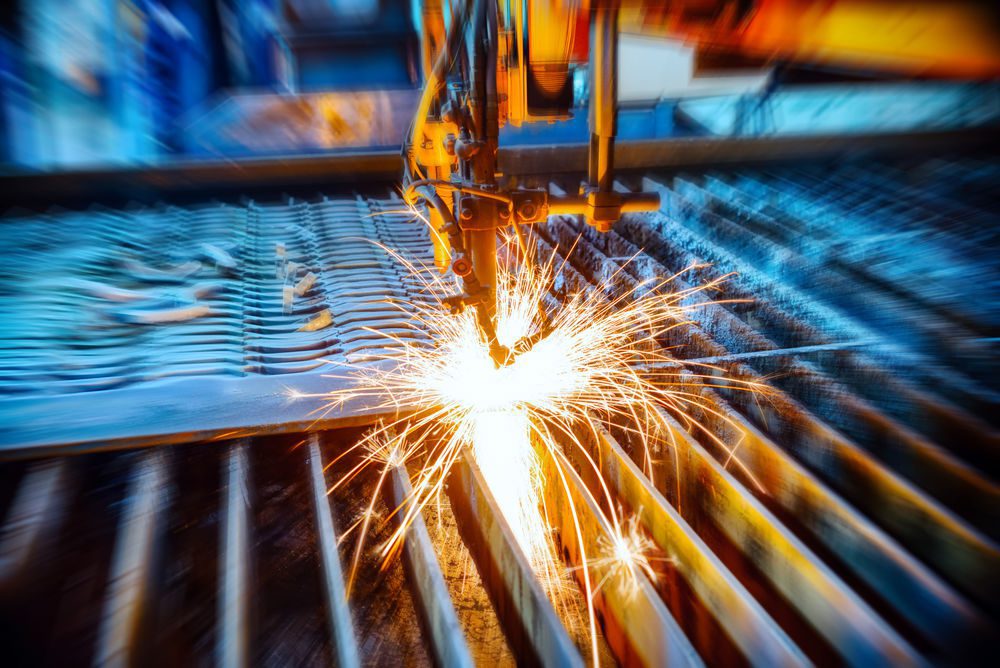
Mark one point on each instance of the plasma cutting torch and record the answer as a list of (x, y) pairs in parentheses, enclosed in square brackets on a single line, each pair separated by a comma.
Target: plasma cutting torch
[(451, 156), (512, 61)]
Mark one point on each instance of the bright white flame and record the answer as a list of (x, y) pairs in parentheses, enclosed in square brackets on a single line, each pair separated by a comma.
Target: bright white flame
[(501, 445), (594, 356)]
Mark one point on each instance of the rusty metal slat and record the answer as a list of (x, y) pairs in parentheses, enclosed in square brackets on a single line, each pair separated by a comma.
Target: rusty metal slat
[(344, 640), (966, 435), (637, 625), (447, 640), (937, 417), (918, 594), (536, 635), (929, 466), (129, 582), (233, 641), (964, 554), (854, 630), (824, 600), (816, 234), (37, 506), (750, 627), (836, 286), (937, 470), (659, 236), (833, 608)]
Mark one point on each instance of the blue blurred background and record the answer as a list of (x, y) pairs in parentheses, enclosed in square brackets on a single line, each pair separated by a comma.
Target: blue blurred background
[(125, 82)]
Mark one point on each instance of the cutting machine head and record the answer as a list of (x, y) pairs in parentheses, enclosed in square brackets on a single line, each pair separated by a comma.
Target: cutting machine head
[(512, 61), (515, 62)]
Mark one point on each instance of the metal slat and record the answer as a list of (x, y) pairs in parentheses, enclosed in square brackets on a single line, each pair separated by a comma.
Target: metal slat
[(965, 555), (533, 629), (877, 558), (342, 634), (233, 641), (637, 625), (129, 582), (926, 463), (917, 593), (661, 237), (449, 644), (765, 310), (854, 630), (37, 506), (880, 309), (832, 607)]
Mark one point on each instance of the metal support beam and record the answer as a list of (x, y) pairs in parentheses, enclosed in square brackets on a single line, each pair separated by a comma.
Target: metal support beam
[(534, 631), (447, 637), (233, 641), (129, 582), (345, 643)]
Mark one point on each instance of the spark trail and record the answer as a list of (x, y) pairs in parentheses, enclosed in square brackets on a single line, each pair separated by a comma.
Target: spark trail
[(588, 358)]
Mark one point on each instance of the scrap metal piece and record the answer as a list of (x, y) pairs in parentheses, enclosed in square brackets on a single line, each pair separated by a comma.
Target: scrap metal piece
[(162, 316), (305, 284), (319, 321)]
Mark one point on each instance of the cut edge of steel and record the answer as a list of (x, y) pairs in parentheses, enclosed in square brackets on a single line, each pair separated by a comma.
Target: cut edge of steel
[(533, 629)]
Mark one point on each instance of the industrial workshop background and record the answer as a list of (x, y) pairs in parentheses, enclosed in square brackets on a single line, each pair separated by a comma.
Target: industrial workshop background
[(499, 332)]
